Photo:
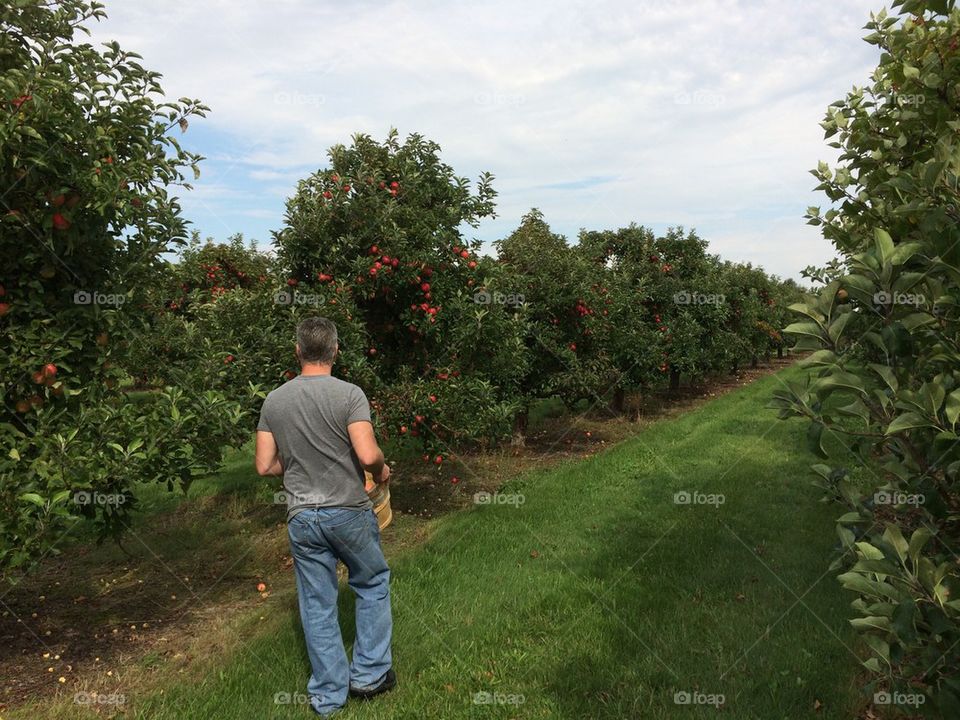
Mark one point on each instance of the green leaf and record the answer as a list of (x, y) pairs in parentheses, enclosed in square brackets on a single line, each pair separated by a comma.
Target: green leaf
[(805, 309), (884, 245), (876, 643), (874, 622), (820, 357), (886, 372), (815, 438), (869, 551), (839, 379), (952, 407), (893, 536), (880, 567), (908, 421), (919, 538), (914, 320), (904, 252), (806, 328), (856, 409), (836, 328), (33, 498)]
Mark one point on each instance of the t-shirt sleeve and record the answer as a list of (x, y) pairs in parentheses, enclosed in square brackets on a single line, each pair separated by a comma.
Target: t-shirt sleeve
[(264, 423), (359, 408)]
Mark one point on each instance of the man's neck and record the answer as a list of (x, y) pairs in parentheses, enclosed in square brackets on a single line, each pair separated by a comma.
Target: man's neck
[(315, 369)]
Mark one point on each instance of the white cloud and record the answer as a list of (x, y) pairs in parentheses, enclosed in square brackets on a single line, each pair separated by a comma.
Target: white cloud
[(705, 113)]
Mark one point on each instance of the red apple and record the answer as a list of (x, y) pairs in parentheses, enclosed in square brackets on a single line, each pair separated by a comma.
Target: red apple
[(438, 460), (403, 429), (327, 194), (60, 222), (49, 370), (228, 359), (425, 287), (472, 264), (292, 282)]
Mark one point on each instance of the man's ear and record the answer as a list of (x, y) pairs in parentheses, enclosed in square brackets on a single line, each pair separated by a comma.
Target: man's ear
[(296, 351)]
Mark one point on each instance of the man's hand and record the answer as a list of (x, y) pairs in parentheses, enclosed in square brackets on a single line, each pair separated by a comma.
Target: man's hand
[(384, 475)]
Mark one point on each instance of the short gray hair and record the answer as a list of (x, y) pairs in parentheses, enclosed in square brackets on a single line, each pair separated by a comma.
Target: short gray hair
[(317, 339)]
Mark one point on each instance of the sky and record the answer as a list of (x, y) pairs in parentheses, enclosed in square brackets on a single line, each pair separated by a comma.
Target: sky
[(702, 113)]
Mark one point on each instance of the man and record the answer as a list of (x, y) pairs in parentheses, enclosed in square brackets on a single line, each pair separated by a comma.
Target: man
[(315, 431)]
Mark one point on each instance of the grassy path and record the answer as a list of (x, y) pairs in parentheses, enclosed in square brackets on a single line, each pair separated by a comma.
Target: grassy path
[(599, 596)]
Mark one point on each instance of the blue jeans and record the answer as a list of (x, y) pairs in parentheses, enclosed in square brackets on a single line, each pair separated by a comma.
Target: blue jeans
[(318, 538)]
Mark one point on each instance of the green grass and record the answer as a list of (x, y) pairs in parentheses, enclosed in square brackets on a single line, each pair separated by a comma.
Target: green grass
[(599, 596)]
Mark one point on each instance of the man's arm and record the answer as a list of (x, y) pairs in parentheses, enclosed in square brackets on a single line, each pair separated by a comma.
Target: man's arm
[(267, 457), (368, 451)]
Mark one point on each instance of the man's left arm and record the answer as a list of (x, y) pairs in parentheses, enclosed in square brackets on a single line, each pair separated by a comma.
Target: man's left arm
[(267, 456)]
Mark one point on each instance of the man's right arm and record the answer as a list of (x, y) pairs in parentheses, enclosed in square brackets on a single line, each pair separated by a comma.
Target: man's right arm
[(368, 451)]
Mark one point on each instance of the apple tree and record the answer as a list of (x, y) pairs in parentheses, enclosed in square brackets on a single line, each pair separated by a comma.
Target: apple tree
[(567, 310), (381, 228), (88, 162), (885, 371)]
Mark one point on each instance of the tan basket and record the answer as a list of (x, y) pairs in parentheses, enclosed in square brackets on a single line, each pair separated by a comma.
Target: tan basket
[(379, 495)]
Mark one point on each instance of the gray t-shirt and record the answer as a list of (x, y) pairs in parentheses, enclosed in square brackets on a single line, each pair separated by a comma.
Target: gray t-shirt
[(308, 417)]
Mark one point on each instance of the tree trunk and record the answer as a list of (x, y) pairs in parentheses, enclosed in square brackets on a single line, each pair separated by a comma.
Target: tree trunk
[(779, 352), (674, 379), (520, 422), (754, 361), (619, 396)]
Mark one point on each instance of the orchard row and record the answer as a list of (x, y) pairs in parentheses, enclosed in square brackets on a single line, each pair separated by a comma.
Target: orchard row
[(372, 241)]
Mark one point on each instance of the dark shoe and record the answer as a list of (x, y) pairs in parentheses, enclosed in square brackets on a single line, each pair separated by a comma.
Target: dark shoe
[(388, 683)]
